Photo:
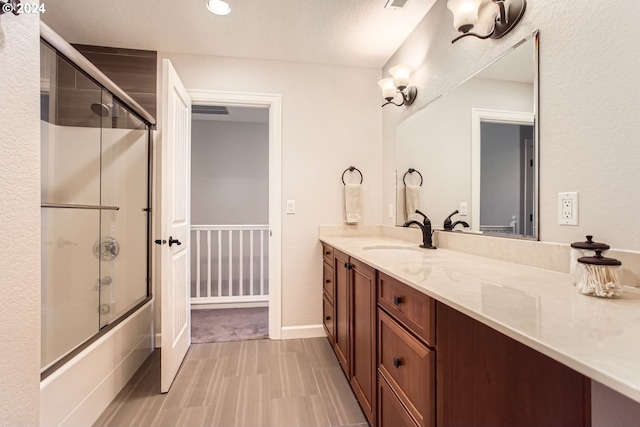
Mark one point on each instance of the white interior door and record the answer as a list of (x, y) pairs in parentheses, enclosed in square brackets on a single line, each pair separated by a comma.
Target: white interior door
[(176, 172)]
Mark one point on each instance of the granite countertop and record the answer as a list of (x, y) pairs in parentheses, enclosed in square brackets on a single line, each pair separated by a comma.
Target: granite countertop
[(597, 337)]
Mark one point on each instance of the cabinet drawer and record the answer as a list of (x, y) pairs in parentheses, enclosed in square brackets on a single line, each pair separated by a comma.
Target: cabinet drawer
[(327, 281), (327, 253), (328, 315), (409, 367), (391, 413), (412, 308)]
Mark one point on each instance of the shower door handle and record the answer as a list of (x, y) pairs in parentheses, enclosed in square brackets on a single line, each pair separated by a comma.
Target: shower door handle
[(172, 241)]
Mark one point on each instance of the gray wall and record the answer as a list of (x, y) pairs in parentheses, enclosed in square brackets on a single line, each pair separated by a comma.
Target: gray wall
[(229, 172), (500, 173)]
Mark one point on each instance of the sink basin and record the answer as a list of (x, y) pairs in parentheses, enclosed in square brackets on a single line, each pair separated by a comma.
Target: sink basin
[(393, 248)]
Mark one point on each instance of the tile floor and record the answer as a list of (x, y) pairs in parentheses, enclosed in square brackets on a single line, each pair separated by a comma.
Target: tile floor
[(292, 383)]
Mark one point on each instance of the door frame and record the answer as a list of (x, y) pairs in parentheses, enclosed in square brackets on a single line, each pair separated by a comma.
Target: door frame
[(274, 103)]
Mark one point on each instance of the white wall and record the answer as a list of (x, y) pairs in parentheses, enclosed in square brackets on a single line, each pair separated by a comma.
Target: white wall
[(20, 220), (588, 115), (229, 172), (589, 112), (330, 120)]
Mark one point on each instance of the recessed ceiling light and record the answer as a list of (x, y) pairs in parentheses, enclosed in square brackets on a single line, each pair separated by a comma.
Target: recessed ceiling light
[(218, 7)]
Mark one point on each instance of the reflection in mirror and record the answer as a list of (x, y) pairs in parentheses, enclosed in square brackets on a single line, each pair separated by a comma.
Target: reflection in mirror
[(474, 150)]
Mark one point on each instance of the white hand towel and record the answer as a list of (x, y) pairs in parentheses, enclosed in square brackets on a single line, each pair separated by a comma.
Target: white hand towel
[(353, 203), (412, 202)]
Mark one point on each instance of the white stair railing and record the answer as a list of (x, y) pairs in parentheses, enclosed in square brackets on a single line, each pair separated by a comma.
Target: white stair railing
[(229, 264)]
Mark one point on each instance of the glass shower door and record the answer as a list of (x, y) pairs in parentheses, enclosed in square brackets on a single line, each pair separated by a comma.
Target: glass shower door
[(95, 209), (70, 182), (124, 164)]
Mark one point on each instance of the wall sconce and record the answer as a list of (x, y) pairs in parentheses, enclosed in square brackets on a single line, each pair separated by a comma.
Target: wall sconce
[(399, 83), (488, 18)]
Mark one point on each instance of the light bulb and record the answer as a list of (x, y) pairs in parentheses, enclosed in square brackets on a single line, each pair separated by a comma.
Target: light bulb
[(218, 7)]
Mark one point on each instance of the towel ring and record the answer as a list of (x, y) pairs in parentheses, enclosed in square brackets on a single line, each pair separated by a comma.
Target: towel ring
[(351, 169), (411, 170)]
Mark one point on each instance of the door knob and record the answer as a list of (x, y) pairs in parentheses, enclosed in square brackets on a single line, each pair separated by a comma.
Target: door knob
[(172, 241)]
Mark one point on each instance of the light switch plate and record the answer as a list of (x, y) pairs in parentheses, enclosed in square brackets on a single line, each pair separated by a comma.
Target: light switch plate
[(291, 206), (568, 208), (463, 209)]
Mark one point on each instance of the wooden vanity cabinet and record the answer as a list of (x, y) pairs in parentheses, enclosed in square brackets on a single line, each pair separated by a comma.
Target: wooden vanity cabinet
[(415, 362), (485, 378)]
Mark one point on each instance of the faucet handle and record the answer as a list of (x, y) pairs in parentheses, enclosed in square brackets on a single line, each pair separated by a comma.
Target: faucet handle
[(447, 221), (426, 218)]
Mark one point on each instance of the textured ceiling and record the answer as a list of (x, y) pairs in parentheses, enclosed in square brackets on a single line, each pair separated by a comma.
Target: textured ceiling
[(341, 32)]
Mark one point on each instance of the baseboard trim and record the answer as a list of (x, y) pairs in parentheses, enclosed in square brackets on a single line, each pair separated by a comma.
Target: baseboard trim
[(288, 333), (304, 331), (220, 305)]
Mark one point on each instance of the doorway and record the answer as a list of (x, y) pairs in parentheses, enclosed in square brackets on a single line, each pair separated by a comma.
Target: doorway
[(504, 173), (229, 223), (271, 236)]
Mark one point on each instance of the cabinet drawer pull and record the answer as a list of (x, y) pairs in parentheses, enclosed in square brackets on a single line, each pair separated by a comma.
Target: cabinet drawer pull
[(327, 252), (328, 281), (397, 300), (348, 266), (327, 318), (397, 362)]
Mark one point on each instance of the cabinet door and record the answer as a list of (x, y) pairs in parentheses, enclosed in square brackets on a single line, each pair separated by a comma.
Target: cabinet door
[(391, 413), (341, 303), (363, 336), (409, 367), (485, 378)]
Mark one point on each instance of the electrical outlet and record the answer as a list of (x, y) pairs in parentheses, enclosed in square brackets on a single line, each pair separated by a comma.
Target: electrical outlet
[(568, 208), (463, 209)]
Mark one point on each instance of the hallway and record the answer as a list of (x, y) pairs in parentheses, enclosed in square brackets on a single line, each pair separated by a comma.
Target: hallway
[(289, 383)]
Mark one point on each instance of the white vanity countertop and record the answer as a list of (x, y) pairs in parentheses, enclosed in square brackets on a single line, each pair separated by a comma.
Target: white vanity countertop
[(597, 337)]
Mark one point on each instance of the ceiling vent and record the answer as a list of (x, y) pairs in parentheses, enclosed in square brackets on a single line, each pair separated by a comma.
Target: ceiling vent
[(210, 109), (396, 4)]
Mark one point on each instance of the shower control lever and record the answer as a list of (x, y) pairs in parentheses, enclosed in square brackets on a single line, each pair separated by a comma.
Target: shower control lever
[(159, 242), (174, 241)]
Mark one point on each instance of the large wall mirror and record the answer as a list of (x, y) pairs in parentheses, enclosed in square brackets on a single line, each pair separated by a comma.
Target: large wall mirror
[(475, 150)]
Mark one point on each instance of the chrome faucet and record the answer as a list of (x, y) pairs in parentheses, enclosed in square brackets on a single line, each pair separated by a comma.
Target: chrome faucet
[(425, 227), (449, 226)]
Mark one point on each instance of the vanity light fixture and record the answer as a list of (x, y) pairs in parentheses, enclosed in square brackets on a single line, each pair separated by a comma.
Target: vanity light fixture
[(487, 18), (218, 7), (398, 83)]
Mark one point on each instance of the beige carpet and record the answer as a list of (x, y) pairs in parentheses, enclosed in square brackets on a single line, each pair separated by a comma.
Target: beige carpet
[(229, 324)]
